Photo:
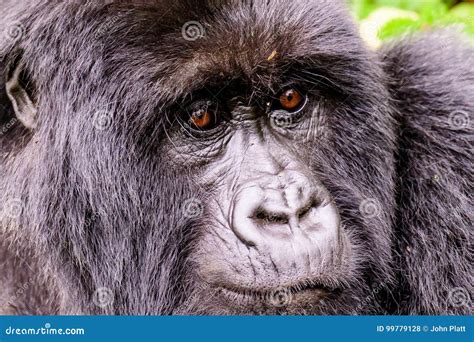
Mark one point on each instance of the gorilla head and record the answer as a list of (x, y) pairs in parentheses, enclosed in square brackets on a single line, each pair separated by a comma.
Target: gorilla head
[(227, 157)]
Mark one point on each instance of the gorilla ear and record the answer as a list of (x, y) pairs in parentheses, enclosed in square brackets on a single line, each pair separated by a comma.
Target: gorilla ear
[(20, 90)]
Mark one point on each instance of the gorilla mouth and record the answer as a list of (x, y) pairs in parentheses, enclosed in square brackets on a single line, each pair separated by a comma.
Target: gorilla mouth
[(278, 296)]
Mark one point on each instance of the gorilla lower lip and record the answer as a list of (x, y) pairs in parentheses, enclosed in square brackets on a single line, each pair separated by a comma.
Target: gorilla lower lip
[(276, 296)]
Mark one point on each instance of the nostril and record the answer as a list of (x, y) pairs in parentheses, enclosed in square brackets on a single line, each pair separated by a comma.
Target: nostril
[(266, 217)]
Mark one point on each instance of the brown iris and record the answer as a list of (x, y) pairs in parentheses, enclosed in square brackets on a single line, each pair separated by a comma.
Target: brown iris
[(291, 99), (201, 119)]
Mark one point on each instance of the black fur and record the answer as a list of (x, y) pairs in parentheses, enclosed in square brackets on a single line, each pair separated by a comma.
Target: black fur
[(103, 207)]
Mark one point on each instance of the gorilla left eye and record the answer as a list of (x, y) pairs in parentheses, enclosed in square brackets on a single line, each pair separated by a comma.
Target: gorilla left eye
[(291, 99), (203, 116), (202, 119)]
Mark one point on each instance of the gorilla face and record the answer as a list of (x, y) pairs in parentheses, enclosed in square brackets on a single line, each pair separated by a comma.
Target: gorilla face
[(274, 233), (265, 138), (273, 123)]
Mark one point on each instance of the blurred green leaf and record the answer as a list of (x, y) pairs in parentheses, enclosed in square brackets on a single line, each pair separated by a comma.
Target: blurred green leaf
[(464, 10), (398, 27), (362, 8), (411, 5), (431, 13), (462, 14)]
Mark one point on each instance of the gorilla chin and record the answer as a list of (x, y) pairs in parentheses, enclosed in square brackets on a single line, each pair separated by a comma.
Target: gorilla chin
[(230, 157)]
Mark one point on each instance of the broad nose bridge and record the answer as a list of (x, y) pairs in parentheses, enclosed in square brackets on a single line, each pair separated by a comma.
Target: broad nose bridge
[(279, 174), (265, 157), (278, 201)]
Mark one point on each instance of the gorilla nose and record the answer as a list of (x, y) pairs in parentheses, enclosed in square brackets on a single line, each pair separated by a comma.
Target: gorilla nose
[(284, 211), (283, 206)]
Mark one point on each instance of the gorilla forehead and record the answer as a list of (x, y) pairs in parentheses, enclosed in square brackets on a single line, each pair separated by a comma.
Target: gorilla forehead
[(256, 41), (140, 46), (253, 40)]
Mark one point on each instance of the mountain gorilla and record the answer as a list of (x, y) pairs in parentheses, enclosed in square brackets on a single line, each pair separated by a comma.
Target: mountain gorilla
[(231, 157)]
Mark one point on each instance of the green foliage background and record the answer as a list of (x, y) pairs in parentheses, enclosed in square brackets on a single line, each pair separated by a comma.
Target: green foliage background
[(425, 15)]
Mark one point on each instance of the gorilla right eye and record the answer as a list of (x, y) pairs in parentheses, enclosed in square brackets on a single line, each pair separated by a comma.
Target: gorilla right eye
[(291, 99)]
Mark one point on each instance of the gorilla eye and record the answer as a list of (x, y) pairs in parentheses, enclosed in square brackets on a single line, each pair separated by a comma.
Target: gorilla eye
[(203, 116), (201, 119), (291, 99)]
